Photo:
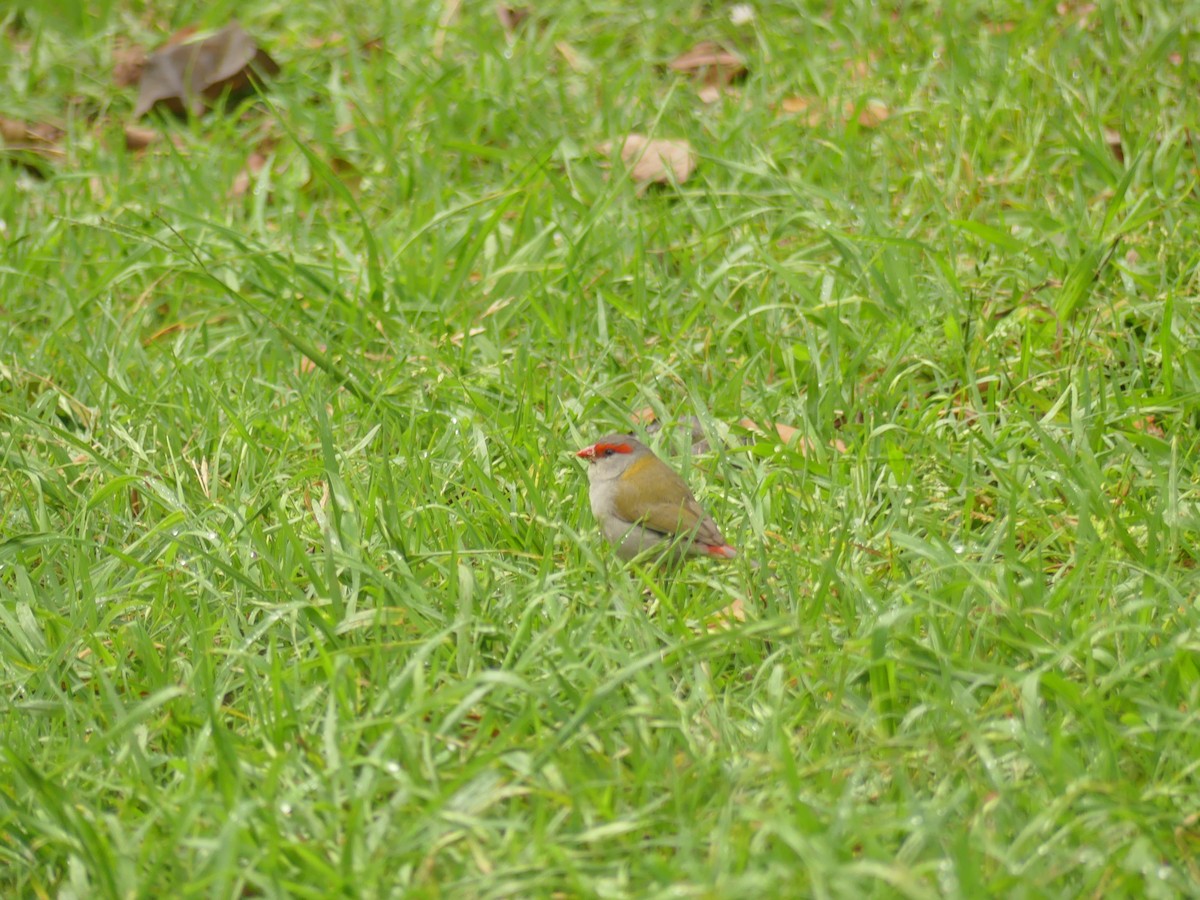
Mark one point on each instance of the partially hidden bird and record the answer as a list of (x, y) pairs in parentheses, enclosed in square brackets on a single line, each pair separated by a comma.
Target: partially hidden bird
[(644, 507)]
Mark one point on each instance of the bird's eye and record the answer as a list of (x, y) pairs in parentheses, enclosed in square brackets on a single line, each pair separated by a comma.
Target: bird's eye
[(608, 451)]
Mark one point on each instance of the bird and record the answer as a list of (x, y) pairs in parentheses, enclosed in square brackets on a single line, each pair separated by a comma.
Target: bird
[(644, 507)]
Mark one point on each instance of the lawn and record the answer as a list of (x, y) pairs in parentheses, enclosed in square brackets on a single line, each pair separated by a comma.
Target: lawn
[(300, 592)]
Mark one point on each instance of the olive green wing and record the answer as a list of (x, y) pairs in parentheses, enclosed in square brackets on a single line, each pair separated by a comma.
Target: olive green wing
[(671, 510)]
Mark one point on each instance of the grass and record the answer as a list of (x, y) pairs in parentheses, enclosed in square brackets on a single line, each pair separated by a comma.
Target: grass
[(299, 591)]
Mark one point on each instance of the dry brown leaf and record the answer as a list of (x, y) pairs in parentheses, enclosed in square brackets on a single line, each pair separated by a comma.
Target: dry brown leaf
[(727, 618), (38, 137), (184, 34), (1075, 8), (139, 138), (241, 182), (857, 69), (321, 41), (643, 416), (998, 28), (182, 77), (1149, 426), (31, 146), (307, 366), (712, 67), (872, 114), (710, 63), (511, 16), (1112, 138), (787, 433), (655, 161), (807, 109), (128, 61), (1082, 14)]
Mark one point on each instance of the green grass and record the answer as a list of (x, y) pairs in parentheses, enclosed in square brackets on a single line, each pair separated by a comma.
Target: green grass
[(299, 590)]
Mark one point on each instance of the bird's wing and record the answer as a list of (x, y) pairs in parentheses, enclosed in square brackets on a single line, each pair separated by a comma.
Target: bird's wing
[(672, 518)]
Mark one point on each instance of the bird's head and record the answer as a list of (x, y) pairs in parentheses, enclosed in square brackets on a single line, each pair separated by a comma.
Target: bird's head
[(611, 455)]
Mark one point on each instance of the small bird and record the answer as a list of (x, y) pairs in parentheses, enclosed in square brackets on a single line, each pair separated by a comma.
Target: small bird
[(643, 506)]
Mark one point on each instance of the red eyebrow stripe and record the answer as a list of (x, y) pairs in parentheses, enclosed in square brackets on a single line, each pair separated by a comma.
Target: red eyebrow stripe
[(616, 448)]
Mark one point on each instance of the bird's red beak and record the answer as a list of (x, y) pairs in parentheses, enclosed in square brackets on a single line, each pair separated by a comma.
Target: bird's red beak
[(586, 453)]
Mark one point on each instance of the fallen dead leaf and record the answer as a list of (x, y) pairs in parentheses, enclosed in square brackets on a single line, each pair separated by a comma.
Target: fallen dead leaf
[(655, 161), (187, 77), (31, 146), (807, 108), (787, 433), (873, 113), (128, 61), (307, 366), (183, 35), (1112, 138), (139, 138), (1149, 426), (511, 16), (727, 618), (643, 416), (711, 63), (323, 40), (1075, 9), (712, 67), (858, 69), (39, 137), (241, 182)]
